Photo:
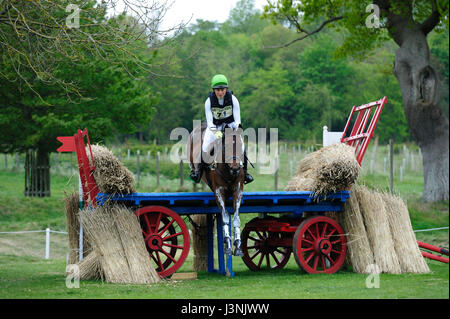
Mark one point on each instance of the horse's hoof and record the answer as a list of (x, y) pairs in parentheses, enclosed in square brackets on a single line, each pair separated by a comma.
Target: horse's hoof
[(228, 251), (238, 252)]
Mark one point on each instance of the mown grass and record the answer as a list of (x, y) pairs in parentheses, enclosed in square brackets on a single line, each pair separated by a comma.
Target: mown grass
[(29, 277), (25, 275)]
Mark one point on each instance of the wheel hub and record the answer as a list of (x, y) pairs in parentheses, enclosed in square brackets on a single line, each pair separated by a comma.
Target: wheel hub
[(324, 246), (154, 242)]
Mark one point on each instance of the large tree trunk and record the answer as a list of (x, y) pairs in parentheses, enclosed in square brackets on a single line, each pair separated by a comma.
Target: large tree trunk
[(427, 123)]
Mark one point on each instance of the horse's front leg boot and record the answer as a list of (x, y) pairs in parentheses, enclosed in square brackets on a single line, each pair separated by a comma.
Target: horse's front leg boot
[(228, 249), (237, 248)]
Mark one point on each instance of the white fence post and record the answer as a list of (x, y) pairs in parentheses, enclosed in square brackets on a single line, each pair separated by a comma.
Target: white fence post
[(47, 243)]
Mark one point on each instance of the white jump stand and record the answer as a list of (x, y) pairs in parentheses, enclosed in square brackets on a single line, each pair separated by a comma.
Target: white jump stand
[(330, 138)]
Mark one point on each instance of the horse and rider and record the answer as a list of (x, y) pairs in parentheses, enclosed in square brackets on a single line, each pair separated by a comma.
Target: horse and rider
[(220, 159)]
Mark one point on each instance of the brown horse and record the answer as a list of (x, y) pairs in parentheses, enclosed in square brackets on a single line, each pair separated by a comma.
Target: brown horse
[(224, 176)]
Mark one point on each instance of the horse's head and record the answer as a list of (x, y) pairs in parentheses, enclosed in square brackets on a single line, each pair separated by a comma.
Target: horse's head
[(232, 151)]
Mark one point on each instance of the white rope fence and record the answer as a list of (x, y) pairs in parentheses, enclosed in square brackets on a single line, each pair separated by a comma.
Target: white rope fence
[(430, 229), (47, 237)]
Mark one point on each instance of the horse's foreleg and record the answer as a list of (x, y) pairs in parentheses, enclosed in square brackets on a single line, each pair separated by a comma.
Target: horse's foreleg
[(237, 198), (225, 219)]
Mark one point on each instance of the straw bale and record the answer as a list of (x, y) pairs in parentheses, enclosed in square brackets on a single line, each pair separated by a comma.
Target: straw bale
[(300, 184), (378, 231), (405, 242), (136, 253), (72, 207), (118, 246), (359, 252), (110, 174), (330, 169), (90, 268)]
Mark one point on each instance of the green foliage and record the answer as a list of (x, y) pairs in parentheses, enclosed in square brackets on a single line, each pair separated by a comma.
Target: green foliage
[(298, 89), (109, 98)]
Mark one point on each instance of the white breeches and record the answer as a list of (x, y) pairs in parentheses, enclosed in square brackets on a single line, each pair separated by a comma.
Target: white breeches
[(209, 137)]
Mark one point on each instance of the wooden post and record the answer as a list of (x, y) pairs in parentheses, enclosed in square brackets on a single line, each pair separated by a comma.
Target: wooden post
[(276, 175), (291, 168), (71, 164), (157, 169), (200, 242), (57, 163), (181, 173), (391, 166), (138, 164)]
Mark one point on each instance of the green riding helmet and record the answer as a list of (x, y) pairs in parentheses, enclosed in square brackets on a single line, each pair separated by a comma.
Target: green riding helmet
[(219, 81)]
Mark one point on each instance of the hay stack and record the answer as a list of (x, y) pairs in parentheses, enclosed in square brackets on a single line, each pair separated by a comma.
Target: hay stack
[(72, 207), (378, 231), (110, 174), (90, 268), (330, 169), (359, 253), (405, 243), (116, 236), (300, 184)]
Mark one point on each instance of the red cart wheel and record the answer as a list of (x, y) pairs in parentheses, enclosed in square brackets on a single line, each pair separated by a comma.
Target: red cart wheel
[(320, 245), (166, 238), (262, 247)]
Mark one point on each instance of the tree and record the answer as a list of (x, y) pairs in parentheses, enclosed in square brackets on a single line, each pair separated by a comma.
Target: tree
[(407, 23), (56, 78)]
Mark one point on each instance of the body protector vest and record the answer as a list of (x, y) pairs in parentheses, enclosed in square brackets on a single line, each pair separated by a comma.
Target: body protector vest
[(222, 113)]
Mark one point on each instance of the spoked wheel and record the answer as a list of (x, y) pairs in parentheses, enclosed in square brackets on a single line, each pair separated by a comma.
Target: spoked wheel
[(166, 238), (263, 248), (320, 245)]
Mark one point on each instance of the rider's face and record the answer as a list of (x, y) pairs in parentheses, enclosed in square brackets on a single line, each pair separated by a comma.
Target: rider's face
[(220, 93)]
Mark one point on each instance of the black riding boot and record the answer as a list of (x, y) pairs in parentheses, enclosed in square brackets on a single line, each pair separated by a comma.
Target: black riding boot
[(248, 177), (196, 174)]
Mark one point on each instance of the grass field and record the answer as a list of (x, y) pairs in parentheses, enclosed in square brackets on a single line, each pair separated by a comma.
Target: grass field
[(24, 273)]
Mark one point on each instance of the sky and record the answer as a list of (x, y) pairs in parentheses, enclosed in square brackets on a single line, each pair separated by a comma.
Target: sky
[(211, 10)]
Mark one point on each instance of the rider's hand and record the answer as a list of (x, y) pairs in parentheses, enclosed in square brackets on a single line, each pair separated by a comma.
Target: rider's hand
[(218, 134)]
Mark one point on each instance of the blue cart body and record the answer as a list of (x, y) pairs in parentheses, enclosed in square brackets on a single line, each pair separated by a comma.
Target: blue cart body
[(270, 202)]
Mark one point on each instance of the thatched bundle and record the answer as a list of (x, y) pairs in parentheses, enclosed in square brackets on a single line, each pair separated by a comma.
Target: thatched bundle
[(72, 206), (110, 174), (378, 231), (300, 184), (330, 169), (359, 253), (90, 268), (405, 242), (116, 237)]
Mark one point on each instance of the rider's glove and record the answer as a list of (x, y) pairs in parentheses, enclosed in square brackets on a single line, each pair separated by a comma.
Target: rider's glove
[(218, 134)]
